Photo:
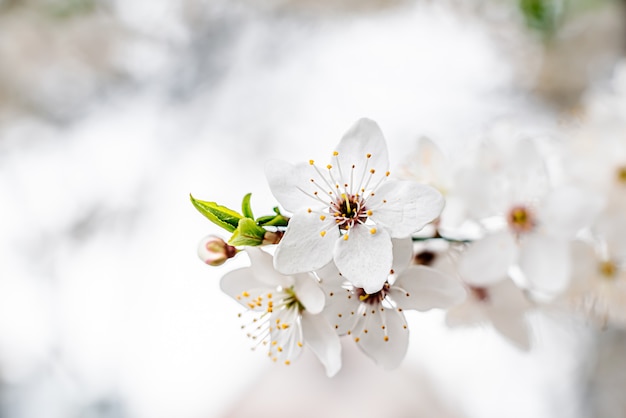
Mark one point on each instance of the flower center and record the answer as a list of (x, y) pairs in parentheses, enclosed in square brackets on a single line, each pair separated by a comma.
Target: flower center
[(290, 301), (480, 293), (424, 258), (520, 219), (621, 175), (373, 298), (608, 269), (348, 210)]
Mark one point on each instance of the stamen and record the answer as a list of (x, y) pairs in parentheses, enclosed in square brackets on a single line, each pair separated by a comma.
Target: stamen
[(314, 196)]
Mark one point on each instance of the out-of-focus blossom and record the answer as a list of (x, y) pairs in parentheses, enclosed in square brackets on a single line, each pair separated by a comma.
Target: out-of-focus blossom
[(376, 321), (501, 305), (349, 211), (286, 311), (531, 225), (598, 286)]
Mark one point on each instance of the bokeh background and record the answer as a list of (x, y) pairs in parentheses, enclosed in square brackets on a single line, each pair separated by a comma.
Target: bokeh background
[(113, 111)]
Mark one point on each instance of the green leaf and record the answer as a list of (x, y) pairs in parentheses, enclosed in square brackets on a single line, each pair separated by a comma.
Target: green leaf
[(278, 220), (220, 215), (247, 233), (245, 206)]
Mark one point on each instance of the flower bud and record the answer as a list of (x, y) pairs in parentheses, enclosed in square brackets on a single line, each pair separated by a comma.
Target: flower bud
[(214, 251)]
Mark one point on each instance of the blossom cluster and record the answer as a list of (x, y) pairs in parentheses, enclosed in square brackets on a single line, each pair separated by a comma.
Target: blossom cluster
[(520, 222)]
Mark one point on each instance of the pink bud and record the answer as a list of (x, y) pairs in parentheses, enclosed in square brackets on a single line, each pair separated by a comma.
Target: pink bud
[(214, 251)]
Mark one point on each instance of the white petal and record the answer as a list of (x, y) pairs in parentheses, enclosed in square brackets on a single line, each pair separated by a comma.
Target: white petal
[(363, 138), (505, 296), (242, 286), (584, 262), (323, 341), (487, 260), (342, 307), (288, 183), (545, 261), (309, 293), (469, 313), (430, 166), (402, 254), (513, 327), (329, 274), (423, 288), (263, 269), (364, 258), (404, 207), (303, 248), (569, 209), (287, 340), (388, 352)]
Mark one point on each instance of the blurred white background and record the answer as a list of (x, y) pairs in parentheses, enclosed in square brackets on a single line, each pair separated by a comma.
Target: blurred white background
[(112, 112)]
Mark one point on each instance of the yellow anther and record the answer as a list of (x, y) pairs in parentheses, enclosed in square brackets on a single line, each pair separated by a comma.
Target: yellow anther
[(309, 210), (369, 155), (311, 162), (245, 294), (365, 331), (369, 213), (299, 344), (372, 170), (335, 153), (345, 237), (373, 231), (329, 166), (269, 296), (387, 173), (285, 326), (322, 233), (279, 349), (287, 362), (386, 338), (357, 339), (274, 342), (322, 217), (274, 359)]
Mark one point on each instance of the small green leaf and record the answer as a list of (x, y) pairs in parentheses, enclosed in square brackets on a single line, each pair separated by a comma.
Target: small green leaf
[(278, 220), (247, 233), (220, 215), (245, 206), (262, 220)]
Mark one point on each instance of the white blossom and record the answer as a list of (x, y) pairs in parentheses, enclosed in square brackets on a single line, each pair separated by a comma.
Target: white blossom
[(286, 311), (375, 321), (349, 210)]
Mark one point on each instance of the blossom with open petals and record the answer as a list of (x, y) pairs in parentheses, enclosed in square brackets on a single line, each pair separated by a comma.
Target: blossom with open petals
[(287, 311), (349, 210), (376, 320), (598, 285)]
